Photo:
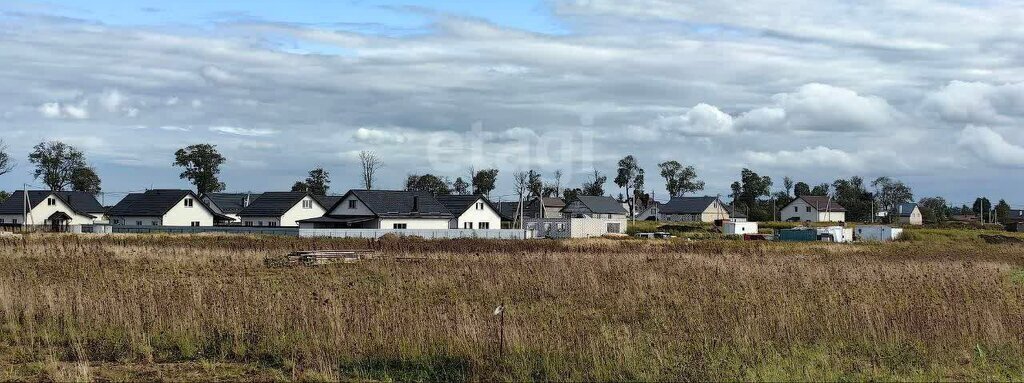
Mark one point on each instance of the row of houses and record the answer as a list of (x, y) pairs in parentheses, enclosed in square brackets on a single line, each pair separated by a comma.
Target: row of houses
[(802, 209), (356, 209)]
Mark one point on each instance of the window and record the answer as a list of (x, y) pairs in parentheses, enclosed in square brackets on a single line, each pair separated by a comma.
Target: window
[(51, 201), (479, 205), (189, 202), (138, 223), (467, 225), (116, 222), (195, 223), (808, 209), (307, 204), (613, 227), (248, 223), (484, 225), (796, 209), (14, 221), (272, 224), (401, 226), (352, 204), (259, 223), (561, 226), (154, 223)]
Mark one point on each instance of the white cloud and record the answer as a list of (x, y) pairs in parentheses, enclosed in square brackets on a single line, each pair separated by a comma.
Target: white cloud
[(378, 136), (701, 120), (50, 110), (977, 102), (821, 107), (990, 146), (170, 128), (63, 110), (111, 100), (196, 104), (243, 131), (172, 101), (218, 75), (819, 156)]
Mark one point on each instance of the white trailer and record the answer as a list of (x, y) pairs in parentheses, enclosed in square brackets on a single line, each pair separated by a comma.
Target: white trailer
[(739, 228), (878, 233)]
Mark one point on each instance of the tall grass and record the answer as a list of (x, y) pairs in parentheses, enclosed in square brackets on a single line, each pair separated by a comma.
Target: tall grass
[(576, 310)]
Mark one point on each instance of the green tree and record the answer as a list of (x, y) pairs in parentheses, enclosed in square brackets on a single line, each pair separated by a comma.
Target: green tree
[(534, 185), (1002, 211), (801, 189), (680, 180), (890, 193), (484, 181), (317, 183), (460, 187), (752, 187), (820, 190), (630, 178), (85, 179), (4, 196), (595, 187), (933, 209), (428, 183), (56, 163), (855, 197), (300, 186), (982, 208), (570, 194), (202, 165), (787, 183)]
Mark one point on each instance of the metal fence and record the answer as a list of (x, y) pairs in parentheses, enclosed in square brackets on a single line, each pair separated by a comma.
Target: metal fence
[(429, 234), (284, 231)]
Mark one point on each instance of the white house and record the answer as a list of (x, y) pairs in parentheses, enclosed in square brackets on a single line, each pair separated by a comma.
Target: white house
[(383, 209), (229, 204), (281, 209), (910, 214), (814, 209), (163, 208), (51, 208), (693, 209), (471, 212)]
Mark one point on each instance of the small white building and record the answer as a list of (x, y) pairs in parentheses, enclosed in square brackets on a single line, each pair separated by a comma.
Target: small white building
[(575, 227), (471, 212), (839, 234), (164, 207), (814, 209), (739, 227), (281, 209), (44, 207), (383, 209), (910, 214), (878, 233)]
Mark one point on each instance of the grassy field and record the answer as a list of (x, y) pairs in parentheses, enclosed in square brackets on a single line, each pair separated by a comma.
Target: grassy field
[(943, 306)]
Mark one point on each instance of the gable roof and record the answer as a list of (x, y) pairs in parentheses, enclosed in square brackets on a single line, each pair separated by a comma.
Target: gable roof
[(398, 203), (231, 203), (687, 205), (274, 204), (905, 209), (507, 210), (82, 203), (733, 213), (327, 201), (1016, 215), (458, 204), (152, 203), (822, 203), (601, 204)]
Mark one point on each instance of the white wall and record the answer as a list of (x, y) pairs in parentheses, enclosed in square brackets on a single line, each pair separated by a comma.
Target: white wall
[(836, 216), (798, 209), (739, 228), (475, 216), (298, 213), (134, 221), (416, 223), (261, 221), (180, 215), (41, 212)]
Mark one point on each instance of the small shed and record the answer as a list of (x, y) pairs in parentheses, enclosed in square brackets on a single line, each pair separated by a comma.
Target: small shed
[(739, 228), (837, 234), (878, 233)]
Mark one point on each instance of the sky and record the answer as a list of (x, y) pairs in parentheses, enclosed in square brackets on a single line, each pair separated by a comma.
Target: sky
[(927, 92)]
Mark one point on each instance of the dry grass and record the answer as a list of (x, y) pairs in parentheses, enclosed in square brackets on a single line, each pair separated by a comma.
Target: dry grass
[(112, 308)]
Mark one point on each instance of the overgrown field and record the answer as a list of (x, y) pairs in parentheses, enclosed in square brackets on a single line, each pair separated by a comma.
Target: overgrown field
[(942, 307)]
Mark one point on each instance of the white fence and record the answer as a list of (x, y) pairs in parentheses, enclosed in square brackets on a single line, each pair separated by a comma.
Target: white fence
[(429, 234)]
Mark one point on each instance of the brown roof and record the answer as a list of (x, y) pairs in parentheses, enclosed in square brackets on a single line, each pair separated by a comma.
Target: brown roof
[(822, 203)]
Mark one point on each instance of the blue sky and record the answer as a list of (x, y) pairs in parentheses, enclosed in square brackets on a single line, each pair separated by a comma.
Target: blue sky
[(930, 92)]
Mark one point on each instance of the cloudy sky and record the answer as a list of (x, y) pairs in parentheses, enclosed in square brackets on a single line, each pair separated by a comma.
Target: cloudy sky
[(930, 92)]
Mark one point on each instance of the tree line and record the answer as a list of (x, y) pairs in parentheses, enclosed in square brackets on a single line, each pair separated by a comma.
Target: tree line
[(63, 167)]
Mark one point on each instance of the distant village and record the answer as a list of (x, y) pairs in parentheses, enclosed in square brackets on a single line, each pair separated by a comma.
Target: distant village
[(435, 206)]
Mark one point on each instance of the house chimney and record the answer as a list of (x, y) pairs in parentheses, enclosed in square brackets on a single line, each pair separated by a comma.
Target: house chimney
[(415, 204)]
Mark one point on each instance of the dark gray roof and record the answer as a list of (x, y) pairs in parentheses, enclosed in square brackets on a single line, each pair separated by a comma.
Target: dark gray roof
[(734, 214), (327, 201), (687, 205), (1016, 215), (152, 203), (458, 204), (905, 209), (507, 210), (231, 203), (82, 203), (602, 204), (822, 203), (399, 203), (273, 204)]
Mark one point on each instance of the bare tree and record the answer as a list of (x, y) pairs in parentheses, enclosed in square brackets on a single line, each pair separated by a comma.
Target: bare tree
[(521, 181), (6, 163), (370, 163)]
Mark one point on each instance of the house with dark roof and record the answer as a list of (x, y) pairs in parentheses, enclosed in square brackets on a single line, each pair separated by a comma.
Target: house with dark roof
[(809, 208), (471, 212), (229, 204), (544, 207), (693, 209), (1015, 216), (164, 207), (383, 209), (909, 214), (285, 209), (46, 207), (594, 207)]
